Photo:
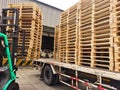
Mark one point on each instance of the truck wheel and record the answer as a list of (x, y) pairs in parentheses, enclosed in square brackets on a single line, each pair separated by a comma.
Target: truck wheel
[(49, 78), (13, 86)]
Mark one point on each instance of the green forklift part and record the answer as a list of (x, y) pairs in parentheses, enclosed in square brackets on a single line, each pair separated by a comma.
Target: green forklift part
[(8, 83), (12, 73)]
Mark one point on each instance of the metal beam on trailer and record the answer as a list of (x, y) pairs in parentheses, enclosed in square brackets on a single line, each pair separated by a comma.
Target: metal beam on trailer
[(100, 72)]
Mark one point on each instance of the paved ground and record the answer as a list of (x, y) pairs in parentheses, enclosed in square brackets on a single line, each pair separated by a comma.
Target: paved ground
[(29, 80)]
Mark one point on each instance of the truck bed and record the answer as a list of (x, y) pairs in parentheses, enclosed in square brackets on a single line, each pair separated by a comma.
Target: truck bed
[(94, 71)]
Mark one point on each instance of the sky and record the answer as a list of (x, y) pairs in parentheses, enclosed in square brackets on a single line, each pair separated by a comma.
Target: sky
[(61, 4)]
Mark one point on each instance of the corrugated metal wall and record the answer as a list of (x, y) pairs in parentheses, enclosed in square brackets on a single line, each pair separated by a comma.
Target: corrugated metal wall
[(4, 3), (51, 16)]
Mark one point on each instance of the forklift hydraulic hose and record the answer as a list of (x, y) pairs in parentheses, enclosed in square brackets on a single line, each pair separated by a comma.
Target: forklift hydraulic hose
[(12, 74)]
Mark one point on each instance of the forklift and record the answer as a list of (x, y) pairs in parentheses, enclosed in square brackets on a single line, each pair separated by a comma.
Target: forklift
[(8, 48)]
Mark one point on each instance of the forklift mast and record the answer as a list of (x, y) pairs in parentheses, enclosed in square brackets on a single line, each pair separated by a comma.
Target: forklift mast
[(9, 26)]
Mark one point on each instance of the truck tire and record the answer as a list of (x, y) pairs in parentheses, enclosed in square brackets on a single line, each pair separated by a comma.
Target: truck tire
[(118, 88), (13, 86), (56, 79), (49, 78)]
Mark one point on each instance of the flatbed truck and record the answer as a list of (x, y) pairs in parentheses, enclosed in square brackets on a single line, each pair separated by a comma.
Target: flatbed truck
[(74, 76)]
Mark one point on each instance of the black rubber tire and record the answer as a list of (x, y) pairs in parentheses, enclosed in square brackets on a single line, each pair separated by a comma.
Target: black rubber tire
[(48, 76), (13, 86), (56, 79), (118, 88)]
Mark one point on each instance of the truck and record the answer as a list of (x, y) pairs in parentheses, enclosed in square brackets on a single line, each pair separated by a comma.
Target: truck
[(89, 39)]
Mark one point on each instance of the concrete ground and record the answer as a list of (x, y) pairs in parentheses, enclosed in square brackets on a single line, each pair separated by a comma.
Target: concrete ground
[(28, 79)]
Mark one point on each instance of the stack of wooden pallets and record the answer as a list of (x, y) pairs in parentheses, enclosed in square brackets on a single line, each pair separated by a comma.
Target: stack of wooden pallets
[(63, 37), (68, 35), (89, 34), (103, 38), (56, 42), (30, 35), (117, 36), (85, 33), (72, 32)]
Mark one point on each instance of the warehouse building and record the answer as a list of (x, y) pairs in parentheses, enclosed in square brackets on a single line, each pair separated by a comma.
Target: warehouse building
[(51, 17)]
